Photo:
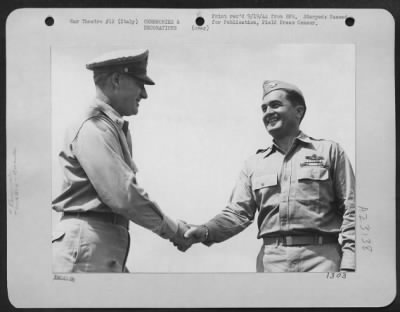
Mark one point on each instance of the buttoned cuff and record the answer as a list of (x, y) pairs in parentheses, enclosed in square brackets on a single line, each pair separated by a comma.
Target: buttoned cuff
[(211, 232), (168, 228), (348, 261)]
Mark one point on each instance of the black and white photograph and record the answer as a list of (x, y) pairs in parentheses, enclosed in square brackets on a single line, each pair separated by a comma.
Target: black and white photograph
[(205, 151), (213, 151)]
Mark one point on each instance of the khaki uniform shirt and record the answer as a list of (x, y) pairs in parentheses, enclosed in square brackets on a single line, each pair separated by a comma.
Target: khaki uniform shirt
[(309, 189), (100, 175)]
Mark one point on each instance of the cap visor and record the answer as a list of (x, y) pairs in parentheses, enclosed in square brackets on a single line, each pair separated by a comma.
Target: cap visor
[(147, 80), (144, 78)]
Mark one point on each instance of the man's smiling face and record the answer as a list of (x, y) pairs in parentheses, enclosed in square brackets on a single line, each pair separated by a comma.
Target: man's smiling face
[(280, 116)]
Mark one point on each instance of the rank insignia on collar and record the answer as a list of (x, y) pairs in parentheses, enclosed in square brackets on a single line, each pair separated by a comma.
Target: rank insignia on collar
[(313, 160)]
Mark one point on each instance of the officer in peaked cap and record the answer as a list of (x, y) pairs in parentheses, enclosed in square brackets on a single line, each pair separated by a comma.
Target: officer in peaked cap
[(128, 62), (302, 189), (100, 194)]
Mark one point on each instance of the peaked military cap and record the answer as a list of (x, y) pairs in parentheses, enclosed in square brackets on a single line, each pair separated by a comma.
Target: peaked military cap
[(272, 85), (129, 62)]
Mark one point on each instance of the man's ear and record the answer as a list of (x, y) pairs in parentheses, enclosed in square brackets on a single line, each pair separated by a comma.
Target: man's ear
[(115, 80), (301, 110)]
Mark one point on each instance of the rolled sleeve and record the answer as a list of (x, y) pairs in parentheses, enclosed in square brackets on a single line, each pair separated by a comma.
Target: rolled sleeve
[(238, 214), (345, 192), (98, 150)]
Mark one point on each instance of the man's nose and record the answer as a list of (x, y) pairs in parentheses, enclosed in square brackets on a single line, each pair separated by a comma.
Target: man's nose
[(143, 94)]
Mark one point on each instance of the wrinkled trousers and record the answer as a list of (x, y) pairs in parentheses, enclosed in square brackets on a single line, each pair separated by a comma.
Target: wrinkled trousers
[(277, 258), (89, 246)]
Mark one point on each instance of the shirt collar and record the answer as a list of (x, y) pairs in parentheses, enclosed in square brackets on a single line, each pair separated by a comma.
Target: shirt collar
[(103, 105), (302, 137)]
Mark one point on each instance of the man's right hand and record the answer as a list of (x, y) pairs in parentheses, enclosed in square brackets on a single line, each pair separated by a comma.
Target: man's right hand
[(197, 234), (179, 240)]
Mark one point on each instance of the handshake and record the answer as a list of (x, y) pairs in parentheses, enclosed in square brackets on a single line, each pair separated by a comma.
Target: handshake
[(187, 235)]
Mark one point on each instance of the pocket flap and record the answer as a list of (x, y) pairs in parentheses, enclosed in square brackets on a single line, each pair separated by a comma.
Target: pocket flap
[(313, 173), (265, 181), (57, 235)]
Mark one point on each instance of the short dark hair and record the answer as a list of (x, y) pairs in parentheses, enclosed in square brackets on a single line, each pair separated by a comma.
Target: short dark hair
[(296, 99)]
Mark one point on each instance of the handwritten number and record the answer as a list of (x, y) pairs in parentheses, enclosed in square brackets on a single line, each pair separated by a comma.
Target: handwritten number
[(363, 209), (338, 275), (367, 248), (365, 228), (363, 217)]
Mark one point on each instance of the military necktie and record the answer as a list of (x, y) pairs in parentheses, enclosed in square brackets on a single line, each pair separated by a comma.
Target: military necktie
[(125, 129)]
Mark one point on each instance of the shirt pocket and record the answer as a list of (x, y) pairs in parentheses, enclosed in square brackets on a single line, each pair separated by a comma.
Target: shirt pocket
[(264, 188), (265, 181), (311, 181), (313, 173)]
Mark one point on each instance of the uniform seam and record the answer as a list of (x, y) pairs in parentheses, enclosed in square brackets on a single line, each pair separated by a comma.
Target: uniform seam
[(97, 117), (78, 248)]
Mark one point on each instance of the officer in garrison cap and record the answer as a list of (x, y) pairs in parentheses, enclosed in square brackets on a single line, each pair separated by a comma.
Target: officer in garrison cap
[(100, 194), (303, 190)]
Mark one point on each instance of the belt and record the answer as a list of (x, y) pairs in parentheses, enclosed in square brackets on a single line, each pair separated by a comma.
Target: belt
[(293, 240), (107, 217)]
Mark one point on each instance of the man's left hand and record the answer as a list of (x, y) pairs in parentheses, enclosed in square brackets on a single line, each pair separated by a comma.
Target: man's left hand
[(179, 240)]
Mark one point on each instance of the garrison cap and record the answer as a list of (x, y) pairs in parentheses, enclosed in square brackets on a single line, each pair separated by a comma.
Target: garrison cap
[(129, 62), (272, 85)]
